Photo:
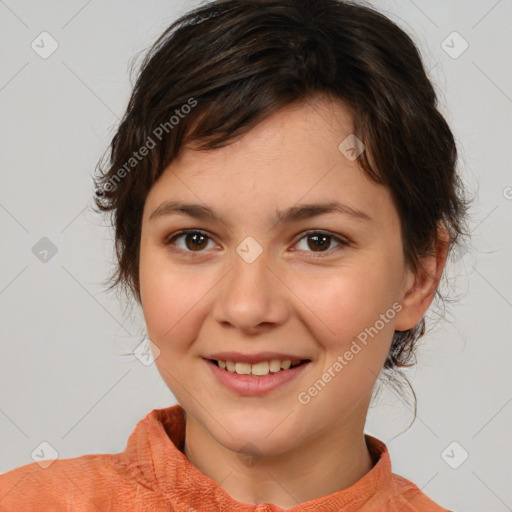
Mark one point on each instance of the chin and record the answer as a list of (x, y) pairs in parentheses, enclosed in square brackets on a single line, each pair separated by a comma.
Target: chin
[(248, 446), (253, 438)]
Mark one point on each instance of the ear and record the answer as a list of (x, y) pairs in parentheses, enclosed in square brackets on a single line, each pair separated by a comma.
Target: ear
[(420, 287)]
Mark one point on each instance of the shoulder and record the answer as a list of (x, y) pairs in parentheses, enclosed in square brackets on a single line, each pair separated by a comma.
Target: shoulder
[(121, 481), (412, 499), (36, 486), (391, 491)]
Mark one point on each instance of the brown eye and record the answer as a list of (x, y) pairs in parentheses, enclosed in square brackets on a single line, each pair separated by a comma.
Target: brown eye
[(194, 241), (319, 242)]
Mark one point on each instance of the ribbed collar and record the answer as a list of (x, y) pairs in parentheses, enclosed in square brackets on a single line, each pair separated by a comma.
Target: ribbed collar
[(154, 453)]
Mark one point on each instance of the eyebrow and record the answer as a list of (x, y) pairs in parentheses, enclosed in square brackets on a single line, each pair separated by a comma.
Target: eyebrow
[(292, 214)]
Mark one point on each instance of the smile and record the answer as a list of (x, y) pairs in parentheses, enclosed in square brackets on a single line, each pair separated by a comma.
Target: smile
[(258, 369), (252, 384)]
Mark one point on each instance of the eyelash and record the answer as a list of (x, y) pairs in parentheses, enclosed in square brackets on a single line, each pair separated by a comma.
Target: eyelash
[(342, 243)]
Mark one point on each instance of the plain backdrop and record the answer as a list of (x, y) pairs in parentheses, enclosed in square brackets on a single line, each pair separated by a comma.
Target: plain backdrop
[(63, 377)]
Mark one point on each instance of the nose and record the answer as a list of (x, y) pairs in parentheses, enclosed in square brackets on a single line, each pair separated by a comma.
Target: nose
[(252, 296)]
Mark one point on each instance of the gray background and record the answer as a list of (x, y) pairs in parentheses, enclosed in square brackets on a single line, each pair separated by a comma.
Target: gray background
[(63, 377)]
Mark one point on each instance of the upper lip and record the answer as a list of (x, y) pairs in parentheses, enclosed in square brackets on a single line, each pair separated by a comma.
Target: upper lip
[(253, 358)]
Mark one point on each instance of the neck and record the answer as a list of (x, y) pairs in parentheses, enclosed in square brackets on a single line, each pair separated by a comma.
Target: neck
[(328, 463)]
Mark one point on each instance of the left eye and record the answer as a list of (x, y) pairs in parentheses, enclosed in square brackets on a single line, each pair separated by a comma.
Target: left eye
[(196, 241), (318, 241)]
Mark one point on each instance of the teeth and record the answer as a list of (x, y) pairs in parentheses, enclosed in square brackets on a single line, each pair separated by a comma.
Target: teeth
[(275, 365), (243, 368), (286, 364), (259, 369)]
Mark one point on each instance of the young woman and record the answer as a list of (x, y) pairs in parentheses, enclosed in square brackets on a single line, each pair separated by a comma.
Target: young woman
[(284, 197)]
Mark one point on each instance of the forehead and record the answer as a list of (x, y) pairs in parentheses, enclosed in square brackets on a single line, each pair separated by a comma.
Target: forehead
[(290, 157), (303, 127)]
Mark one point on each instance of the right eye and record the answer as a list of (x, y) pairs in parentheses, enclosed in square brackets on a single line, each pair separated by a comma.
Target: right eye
[(192, 240)]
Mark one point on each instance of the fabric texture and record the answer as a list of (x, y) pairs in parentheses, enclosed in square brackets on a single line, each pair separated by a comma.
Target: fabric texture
[(153, 474)]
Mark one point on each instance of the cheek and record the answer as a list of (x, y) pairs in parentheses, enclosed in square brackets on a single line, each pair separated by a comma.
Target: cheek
[(347, 300), (353, 308), (351, 316), (169, 298), (176, 302)]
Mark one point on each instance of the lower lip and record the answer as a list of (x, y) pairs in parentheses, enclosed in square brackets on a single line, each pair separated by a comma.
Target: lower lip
[(248, 385)]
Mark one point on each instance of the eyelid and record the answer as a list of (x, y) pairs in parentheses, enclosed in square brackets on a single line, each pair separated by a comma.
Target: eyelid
[(343, 242), (168, 240)]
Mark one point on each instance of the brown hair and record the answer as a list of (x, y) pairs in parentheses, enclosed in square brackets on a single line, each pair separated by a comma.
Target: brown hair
[(224, 67)]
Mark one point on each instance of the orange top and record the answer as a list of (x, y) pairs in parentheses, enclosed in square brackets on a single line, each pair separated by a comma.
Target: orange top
[(153, 474)]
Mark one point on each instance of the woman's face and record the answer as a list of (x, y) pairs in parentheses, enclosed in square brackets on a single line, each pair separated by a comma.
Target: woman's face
[(256, 280)]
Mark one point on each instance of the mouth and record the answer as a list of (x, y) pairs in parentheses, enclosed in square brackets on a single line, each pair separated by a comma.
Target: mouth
[(261, 369), (257, 379)]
